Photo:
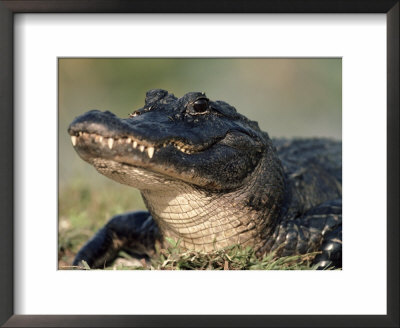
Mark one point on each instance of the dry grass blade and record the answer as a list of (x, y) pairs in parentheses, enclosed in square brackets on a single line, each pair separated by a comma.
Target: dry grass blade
[(226, 265)]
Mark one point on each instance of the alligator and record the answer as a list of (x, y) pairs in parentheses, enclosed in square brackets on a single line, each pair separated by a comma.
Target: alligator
[(210, 179)]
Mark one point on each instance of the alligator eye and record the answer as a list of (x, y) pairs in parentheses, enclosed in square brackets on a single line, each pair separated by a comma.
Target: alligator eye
[(200, 105)]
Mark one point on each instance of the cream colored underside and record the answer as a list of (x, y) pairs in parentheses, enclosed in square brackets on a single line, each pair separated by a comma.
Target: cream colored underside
[(202, 222)]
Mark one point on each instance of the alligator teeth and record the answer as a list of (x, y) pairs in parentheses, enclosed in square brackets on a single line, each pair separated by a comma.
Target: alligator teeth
[(150, 151), (110, 142)]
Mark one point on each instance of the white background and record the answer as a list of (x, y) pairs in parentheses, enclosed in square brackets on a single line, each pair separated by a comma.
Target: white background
[(359, 289)]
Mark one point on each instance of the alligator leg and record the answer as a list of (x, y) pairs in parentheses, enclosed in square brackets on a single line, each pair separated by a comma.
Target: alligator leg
[(318, 229), (135, 232)]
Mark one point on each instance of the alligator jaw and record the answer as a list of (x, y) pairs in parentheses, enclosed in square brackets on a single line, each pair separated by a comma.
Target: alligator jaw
[(131, 151), (99, 135)]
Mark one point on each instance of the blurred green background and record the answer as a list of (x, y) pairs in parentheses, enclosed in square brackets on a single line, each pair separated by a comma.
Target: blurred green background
[(288, 98)]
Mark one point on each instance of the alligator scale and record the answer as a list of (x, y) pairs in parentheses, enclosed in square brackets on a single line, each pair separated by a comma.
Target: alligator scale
[(211, 179)]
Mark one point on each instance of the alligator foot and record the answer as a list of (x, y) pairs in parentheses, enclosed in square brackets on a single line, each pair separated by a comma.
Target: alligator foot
[(331, 256), (134, 232), (326, 220)]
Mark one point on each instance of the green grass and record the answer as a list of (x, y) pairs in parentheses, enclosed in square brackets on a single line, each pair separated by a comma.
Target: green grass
[(82, 211), (232, 258)]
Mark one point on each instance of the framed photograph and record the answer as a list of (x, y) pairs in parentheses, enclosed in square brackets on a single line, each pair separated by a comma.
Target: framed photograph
[(316, 69)]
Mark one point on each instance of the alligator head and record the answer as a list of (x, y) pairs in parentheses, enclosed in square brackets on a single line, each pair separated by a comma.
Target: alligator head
[(189, 157)]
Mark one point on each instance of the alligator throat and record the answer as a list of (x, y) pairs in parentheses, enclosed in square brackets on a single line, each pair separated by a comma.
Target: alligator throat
[(206, 221)]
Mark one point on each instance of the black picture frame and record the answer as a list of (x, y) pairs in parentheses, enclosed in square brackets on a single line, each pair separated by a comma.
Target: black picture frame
[(11, 7)]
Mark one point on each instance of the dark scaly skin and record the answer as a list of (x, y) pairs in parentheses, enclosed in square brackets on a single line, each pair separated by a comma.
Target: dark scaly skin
[(211, 178), (312, 210)]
